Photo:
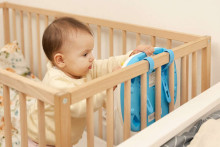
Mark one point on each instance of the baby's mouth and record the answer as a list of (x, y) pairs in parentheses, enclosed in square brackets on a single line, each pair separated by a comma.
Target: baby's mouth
[(90, 67)]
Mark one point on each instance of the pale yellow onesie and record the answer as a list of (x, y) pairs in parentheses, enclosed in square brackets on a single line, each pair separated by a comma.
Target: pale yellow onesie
[(58, 79)]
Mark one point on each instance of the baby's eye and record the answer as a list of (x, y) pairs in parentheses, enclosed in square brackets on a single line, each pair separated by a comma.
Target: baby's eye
[(85, 54)]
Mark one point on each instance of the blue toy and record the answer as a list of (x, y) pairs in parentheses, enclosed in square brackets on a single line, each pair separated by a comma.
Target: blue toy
[(136, 90)]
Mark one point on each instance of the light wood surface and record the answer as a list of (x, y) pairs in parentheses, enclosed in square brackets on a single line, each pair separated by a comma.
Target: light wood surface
[(124, 44), (119, 76), (41, 123), (7, 116), (183, 98), (30, 42), (127, 110), (38, 46), (158, 94), (90, 122), (194, 74), (143, 100), (27, 86), (111, 24), (111, 52), (110, 118), (23, 115), (63, 120), (14, 24), (6, 25), (22, 32)]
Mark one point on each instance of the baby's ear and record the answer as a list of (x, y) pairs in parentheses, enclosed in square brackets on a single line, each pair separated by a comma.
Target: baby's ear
[(59, 60)]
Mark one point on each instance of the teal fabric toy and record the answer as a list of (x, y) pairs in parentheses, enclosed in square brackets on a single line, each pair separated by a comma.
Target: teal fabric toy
[(136, 89)]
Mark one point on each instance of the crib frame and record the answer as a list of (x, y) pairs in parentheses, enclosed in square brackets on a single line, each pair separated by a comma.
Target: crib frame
[(63, 99)]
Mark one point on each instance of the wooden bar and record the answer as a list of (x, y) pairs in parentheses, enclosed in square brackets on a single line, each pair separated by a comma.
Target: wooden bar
[(46, 19), (90, 122), (171, 78), (28, 86), (153, 41), (110, 42), (38, 47), (136, 69), (187, 78), (158, 94), (143, 101), (22, 32), (127, 109), (62, 120), (30, 42), (41, 124), (6, 25), (169, 43), (99, 42), (14, 24), (171, 86), (205, 66), (138, 39), (23, 118), (100, 123), (110, 118), (183, 81), (183, 37), (124, 45), (194, 74), (7, 116)]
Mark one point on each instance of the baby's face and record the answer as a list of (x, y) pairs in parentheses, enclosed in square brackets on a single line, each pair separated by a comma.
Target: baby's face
[(77, 51)]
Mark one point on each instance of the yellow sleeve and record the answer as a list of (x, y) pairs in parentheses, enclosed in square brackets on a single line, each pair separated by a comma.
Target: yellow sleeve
[(102, 67)]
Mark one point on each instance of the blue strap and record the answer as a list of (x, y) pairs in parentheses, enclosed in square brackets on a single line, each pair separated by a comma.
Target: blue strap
[(151, 64), (171, 53), (151, 68)]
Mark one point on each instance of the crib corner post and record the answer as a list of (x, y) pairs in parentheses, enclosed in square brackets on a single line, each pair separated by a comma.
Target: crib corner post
[(6, 24), (62, 103), (206, 65)]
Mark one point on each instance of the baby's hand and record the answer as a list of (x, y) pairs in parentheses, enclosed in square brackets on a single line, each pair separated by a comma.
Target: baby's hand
[(147, 49)]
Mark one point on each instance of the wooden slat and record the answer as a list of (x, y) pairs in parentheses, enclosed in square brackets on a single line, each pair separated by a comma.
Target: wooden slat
[(119, 76), (158, 94), (30, 42), (6, 25), (124, 38), (138, 38), (153, 41), (194, 74), (62, 120), (7, 116), (22, 32), (100, 123), (110, 42), (14, 24), (171, 86), (187, 77), (183, 81), (46, 19), (110, 116), (23, 116), (205, 67), (169, 43), (28, 86), (41, 123), (38, 47), (171, 78), (99, 42), (143, 100), (127, 109), (112, 24), (90, 122)]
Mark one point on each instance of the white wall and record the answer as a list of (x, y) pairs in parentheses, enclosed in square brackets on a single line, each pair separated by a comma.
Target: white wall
[(190, 16)]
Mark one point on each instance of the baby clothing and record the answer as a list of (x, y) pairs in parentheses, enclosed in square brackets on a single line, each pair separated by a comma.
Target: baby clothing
[(58, 79)]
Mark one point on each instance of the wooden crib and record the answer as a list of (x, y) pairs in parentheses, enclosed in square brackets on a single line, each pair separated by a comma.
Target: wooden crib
[(29, 18)]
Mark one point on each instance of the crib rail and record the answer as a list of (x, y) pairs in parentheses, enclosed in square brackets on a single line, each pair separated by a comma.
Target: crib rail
[(43, 94), (62, 101)]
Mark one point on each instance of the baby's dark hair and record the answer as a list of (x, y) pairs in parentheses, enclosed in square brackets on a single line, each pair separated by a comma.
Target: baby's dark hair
[(58, 31)]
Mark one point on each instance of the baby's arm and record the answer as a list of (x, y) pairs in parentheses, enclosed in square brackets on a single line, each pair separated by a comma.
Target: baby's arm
[(102, 67)]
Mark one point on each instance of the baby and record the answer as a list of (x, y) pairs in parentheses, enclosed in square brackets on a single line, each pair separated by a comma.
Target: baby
[(68, 44)]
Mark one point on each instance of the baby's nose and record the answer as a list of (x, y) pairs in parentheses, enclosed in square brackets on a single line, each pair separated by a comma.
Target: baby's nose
[(91, 58)]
